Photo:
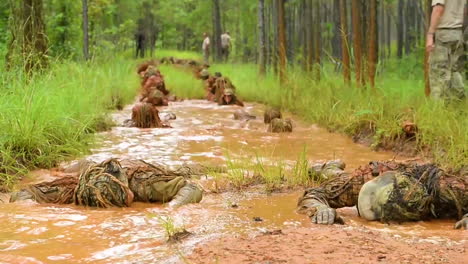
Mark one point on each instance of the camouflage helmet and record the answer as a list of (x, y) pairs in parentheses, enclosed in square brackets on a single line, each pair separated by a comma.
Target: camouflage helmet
[(228, 91), (150, 71), (204, 73)]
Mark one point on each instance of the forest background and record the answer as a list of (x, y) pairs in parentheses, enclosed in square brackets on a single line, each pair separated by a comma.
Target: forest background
[(352, 66)]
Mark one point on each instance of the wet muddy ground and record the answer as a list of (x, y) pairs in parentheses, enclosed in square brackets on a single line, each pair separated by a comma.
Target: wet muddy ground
[(222, 225)]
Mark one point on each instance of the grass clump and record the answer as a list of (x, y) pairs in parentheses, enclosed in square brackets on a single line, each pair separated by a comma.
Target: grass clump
[(48, 118), (362, 113)]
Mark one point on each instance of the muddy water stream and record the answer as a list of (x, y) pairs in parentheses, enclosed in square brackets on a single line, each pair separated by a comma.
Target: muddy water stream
[(203, 132)]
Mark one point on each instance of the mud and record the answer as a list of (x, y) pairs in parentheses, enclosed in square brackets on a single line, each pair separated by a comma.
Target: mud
[(222, 225)]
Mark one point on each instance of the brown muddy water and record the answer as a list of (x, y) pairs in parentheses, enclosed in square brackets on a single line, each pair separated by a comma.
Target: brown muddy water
[(206, 133)]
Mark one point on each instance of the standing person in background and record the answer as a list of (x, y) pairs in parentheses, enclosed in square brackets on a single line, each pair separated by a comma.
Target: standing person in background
[(445, 45), (225, 45), (206, 48)]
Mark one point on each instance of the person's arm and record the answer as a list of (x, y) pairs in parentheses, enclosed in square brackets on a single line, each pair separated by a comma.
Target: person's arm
[(437, 13)]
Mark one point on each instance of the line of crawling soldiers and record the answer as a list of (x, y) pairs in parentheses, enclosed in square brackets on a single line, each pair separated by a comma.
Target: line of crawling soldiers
[(381, 191)]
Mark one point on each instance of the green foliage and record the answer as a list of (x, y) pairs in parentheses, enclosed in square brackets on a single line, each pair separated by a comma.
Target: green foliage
[(442, 128), (49, 118)]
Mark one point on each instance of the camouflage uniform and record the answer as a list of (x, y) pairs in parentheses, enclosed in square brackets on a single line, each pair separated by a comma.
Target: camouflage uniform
[(414, 192), (446, 60), (115, 184), (446, 65)]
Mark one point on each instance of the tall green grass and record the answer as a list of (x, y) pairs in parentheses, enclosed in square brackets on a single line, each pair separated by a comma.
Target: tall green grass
[(442, 127), (49, 118)]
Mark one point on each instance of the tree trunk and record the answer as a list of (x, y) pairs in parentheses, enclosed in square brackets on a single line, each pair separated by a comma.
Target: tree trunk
[(275, 50), (357, 40), (34, 44), (337, 36), (373, 43), (427, 86), (217, 31), (400, 29), (344, 42), (310, 36), (318, 40), (281, 41), (261, 37), (85, 30)]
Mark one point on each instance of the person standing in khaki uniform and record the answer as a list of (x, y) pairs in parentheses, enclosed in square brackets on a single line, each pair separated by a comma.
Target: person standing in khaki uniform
[(206, 48), (445, 45)]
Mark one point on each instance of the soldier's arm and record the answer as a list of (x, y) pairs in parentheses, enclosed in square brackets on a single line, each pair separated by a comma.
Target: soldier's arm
[(438, 10)]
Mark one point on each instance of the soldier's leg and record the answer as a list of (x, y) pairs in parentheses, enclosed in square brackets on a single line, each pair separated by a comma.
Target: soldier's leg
[(457, 86), (439, 71)]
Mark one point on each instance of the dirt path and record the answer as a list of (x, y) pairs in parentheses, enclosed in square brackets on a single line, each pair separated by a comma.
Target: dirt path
[(329, 244)]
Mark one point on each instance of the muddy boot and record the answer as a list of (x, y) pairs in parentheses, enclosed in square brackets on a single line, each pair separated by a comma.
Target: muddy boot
[(328, 170), (270, 114), (243, 116), (190, 193), (168, 116), (280, 126)]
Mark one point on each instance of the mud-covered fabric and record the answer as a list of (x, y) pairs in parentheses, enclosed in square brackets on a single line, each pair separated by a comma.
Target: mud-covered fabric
[(234, 101), (146, 115), (341, 189), (270, 114), (447, 65), (156, 183), (280, 126), (59, 191), (104, 185), (416, 192), (220, 85)]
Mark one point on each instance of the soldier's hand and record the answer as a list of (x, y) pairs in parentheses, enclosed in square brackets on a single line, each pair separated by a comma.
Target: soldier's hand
[(324, 216), (430, 43), (462, 224)]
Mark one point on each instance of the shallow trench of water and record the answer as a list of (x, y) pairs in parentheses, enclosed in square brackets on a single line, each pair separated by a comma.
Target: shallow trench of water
[(202, 133)]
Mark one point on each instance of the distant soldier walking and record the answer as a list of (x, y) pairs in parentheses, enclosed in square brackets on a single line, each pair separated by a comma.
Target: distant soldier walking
[(206, 48), (225, 46), (445, 45)]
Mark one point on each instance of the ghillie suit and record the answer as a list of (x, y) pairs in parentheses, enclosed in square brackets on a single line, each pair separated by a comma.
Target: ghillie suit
[(155, 183), (233, 99), (386, 191), (104, 185), (280, 126), (58, 191), (115, 184), (154, 82), (156, 98), (243, 115), (270, 114), (220, 85), (145, 115), (210, 88), (143, 67)]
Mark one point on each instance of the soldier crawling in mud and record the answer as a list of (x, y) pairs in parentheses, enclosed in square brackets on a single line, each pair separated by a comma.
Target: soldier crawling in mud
[(388, 192), (115, 184), (229, 98)]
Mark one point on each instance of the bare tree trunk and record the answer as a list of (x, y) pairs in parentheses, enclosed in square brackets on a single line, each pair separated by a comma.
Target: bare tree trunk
[(281, 41), (344, 42), (373, 43), (34, 46), (217, 31), (310, 36), (427, 86), (400, 29), (357, 40), (85, 30), (261, 37), (275, 50), (337, 36), (318, 40)]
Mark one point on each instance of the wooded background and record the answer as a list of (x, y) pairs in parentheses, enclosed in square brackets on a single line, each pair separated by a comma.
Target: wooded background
[(354, 35)]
